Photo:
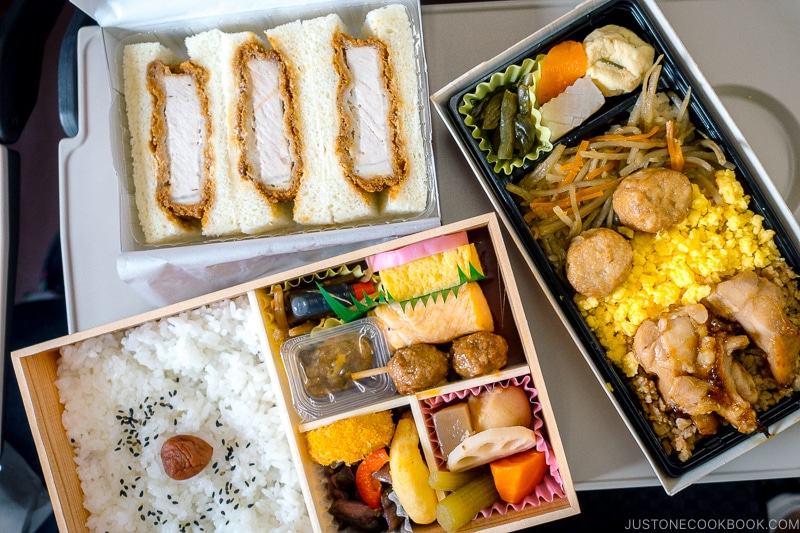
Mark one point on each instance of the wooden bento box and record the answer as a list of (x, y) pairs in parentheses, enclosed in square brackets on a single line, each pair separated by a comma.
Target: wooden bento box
[(104, 384)]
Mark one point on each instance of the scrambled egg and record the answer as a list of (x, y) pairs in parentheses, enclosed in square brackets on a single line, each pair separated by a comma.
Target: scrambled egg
[(680, 265)]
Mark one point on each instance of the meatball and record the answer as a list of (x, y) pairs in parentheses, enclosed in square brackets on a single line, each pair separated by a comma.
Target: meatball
[(418, 367), (598, 261), (478, 354), (653, 199)]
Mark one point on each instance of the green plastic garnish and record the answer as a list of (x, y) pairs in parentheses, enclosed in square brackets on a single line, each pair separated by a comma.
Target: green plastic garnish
[(362, 307)]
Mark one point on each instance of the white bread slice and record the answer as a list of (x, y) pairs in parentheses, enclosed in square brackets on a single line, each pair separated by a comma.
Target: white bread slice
[(238, 205), (158, 225), (392, 26), (325, 195)]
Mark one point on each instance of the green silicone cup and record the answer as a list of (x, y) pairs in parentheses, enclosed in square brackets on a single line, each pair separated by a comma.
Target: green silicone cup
[(511, 75)]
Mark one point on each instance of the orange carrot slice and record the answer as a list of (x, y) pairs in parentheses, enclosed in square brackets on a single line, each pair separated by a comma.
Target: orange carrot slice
[(562, 66), (674, 147), (516, 476)]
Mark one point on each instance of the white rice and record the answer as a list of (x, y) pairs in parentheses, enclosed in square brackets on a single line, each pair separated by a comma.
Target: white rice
[(200, 373)]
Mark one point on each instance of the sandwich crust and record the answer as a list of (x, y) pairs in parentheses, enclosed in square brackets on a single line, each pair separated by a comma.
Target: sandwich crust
[(353, 122), (391, 25), (325, 195), (191, 212), (244, 121)]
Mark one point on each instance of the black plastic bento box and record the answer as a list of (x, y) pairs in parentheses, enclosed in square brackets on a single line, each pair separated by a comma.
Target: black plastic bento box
[(679, 74)]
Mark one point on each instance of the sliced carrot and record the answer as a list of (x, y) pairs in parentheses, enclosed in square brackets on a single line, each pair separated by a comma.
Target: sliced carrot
[(545, 207), (632, 137), (674, 148), (516, 476), (563, 203), (573, 167), (564, 64), (599, 170)]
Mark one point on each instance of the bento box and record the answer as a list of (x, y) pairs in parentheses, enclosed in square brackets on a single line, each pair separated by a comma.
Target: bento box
[(186, 415), (577, 211), (267, 204)]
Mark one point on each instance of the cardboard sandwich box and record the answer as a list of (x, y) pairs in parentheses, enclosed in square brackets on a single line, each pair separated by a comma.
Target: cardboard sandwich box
[(248, 230), (94, 436)]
